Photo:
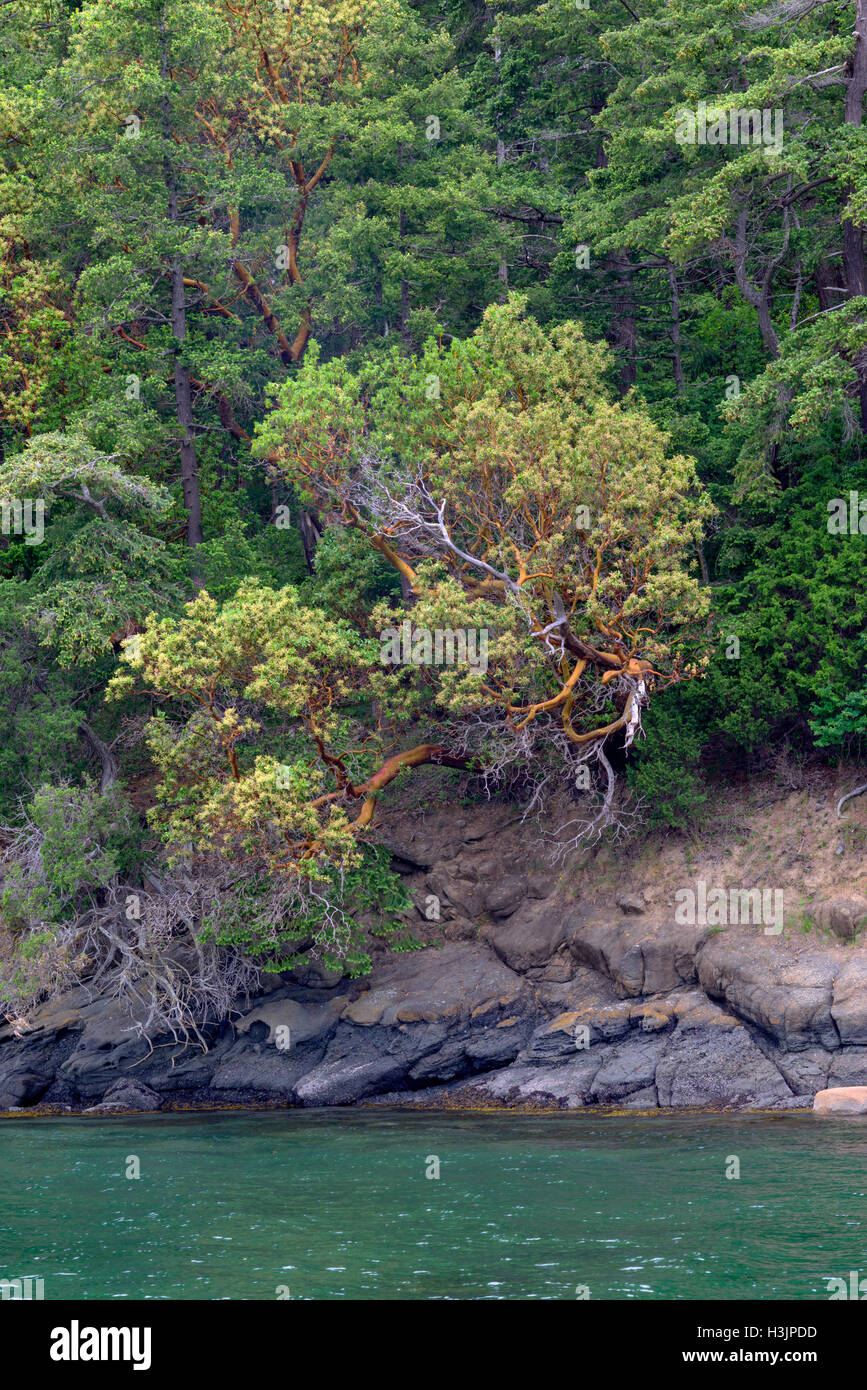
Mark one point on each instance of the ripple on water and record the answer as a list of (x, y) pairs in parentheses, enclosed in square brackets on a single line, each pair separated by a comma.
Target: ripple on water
[(337, 1205)]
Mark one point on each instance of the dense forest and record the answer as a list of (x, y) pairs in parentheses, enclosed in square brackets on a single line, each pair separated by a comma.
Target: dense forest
[(333, 332)]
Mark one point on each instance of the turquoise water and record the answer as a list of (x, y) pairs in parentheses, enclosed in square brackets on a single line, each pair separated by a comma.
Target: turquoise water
[(336, 1204)]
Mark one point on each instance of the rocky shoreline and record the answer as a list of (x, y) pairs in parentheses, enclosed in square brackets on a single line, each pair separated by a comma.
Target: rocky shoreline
[(537, 990), (595, 1010)]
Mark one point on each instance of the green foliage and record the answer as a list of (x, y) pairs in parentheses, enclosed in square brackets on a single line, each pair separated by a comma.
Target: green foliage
[(37, 713), (71, 844), (238, 547), (664, 772), (68, 466), (220, 794), (798, 612), (350, 576), (75, 841), (841, 717), (338, 922), (101, 571)]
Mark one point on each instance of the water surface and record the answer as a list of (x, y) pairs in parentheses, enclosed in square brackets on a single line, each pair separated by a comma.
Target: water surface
[(336, 1205)]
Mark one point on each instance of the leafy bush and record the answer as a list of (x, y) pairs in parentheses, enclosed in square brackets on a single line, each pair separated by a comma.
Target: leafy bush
[(73, 842), (250, 919), (664, 769)]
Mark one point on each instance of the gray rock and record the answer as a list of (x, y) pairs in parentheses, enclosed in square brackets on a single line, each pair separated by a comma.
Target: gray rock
[(409, 856), (789, 999), (468, 898), (260, 1071), (646, 1099), (804, 1071), (845, 917), (428, 1015), (849, 1001), (20, 1087), (109, 1044), (314, 975), (480, 868), (539, 886), (631, 902), (460, 980), (586, 989), (531, 937), (555, 1039), (847, 1068), (717, 1065), (503, 897), (671, 1015), (568, 1086), (126, 1095), (304, 1021), (627, 1067), (639, 960), (343, 1079)]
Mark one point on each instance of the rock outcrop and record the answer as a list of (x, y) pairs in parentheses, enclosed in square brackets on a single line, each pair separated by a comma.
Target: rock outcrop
[(558, 1007), (528, 997), (842, 1100)]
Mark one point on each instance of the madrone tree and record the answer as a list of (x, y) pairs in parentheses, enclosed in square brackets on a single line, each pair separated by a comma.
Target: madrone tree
[(515, 498), (510, 491)]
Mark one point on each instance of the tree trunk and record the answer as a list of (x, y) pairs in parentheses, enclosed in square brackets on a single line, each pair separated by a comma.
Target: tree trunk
[(107, 760), (854, 261), (674, 332), (405, 336), (623, 327), (702, 560), (183, 389), (758, 295), (828, 291), (310, 529), (184, 407), (503, 270), (853, 236)]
